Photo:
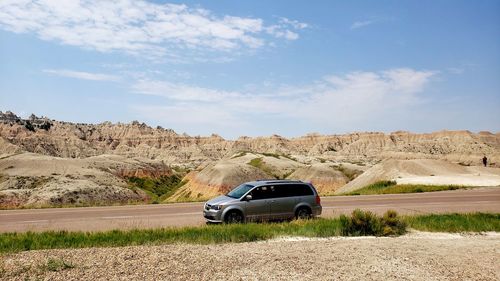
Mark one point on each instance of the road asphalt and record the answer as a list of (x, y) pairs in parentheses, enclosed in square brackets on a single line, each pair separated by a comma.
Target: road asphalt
[(190, 214)]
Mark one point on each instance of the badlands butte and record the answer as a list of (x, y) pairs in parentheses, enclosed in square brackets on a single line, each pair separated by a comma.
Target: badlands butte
[(46, 163)]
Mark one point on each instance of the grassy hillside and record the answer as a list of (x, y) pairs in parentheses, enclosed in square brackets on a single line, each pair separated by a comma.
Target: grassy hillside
[(391, 187)]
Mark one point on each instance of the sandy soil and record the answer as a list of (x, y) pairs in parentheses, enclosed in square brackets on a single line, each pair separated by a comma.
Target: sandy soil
[(324, 177), (417, 256), (425, 171)]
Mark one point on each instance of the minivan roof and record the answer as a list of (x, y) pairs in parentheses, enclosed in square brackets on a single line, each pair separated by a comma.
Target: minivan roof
[(272, 181)]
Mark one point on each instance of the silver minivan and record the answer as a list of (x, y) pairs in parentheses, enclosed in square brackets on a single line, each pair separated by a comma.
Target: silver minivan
[(264, 200)]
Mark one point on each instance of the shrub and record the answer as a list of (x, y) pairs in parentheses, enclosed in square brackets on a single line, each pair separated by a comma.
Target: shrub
[(29, 126), (392, 224), (57, 265), (362, 223)]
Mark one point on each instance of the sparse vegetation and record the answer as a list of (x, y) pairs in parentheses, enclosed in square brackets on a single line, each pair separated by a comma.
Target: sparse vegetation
[(391, 187), (159, 188), (56, 264), (362, 223), (29, 126), (181, 170), (259, 164), (349, 173), (275, 155), (240, 154), (359, 223)]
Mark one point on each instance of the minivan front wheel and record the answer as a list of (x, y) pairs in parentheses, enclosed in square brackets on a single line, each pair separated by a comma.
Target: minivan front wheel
[(234, 217), (303, 213)]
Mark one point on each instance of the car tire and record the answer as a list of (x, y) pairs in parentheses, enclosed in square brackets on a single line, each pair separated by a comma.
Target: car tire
[(303, 213), (234, 217)]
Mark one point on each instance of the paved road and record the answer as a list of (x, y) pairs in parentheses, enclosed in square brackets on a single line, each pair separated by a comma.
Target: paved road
[(183, 214)]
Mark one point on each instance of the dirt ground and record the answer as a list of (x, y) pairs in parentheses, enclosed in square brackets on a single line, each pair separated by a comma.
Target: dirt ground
[(416, 256)]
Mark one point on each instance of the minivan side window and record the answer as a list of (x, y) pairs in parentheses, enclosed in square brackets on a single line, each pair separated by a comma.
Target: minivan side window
[(289, 190), (262, 192)]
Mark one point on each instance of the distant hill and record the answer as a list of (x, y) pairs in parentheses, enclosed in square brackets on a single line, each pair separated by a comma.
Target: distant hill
[(77, 140)]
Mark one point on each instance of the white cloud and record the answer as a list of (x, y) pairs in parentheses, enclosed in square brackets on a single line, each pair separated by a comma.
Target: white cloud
[(284, 29), (82, 75), (181, 92), (140, 27), (359, 24), (336, 101)]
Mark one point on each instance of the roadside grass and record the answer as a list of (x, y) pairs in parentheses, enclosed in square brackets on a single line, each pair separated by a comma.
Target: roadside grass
[(210, 234), (473, 222), (357, 224), (391, 187)]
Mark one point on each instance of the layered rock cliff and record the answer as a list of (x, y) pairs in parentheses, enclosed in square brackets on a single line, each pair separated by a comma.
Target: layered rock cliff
[(77, 140)]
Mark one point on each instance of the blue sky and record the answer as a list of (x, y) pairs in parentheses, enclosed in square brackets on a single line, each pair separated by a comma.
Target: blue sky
[(255, 67)]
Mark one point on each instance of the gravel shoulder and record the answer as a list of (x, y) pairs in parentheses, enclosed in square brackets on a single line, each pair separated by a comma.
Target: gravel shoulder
[(416, 256)]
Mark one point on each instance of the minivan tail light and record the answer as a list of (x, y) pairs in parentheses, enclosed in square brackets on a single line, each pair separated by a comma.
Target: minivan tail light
[(318, 200)]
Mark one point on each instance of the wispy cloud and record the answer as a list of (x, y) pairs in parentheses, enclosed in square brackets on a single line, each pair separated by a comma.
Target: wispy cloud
[(351, 100), (456, 70), (141, 28), (359, 24), (82, 75)]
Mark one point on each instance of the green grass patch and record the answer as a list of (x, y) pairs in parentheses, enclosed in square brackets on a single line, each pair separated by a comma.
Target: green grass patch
[(357, 224), (240, 154), (391, 187), (473, 222), (15, 242), (268, 154), (159, 188), (259, 164), (349, 173)]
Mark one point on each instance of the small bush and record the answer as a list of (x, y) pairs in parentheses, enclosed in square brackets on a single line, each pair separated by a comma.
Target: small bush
[(29, 126), (362, 223), (57, 265), (392, 224)]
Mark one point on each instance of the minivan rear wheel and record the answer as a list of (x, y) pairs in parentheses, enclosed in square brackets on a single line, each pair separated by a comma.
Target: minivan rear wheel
[(303, 213), (234, 217)]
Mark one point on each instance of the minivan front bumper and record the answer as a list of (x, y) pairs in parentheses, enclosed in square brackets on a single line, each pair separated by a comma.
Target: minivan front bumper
[(212, 215)]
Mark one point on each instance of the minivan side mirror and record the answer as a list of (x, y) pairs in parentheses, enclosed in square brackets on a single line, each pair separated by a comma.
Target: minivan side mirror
[(248, 197)]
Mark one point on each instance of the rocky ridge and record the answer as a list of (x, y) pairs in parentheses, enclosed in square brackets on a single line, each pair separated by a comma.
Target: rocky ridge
[(78, 140)]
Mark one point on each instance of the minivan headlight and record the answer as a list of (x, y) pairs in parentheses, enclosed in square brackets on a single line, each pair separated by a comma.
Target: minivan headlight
[(216, 207)]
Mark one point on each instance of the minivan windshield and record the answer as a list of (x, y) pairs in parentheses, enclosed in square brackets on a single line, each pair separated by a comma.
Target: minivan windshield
[(239, 191)]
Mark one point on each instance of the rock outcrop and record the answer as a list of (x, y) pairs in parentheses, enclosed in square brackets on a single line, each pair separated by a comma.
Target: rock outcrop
[(77, 140), (34, 180)]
